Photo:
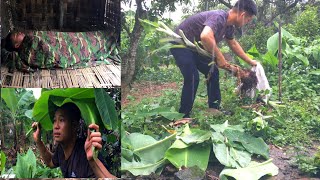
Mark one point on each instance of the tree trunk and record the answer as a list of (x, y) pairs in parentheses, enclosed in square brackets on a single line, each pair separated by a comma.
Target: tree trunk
[(15, 145), (129, 60), (22, 137)]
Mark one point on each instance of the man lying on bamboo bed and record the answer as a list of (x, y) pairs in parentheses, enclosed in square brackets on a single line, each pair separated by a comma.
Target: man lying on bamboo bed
[(49, 49)]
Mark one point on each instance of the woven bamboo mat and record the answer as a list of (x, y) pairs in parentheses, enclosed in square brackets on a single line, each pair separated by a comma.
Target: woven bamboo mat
[(103, 76)]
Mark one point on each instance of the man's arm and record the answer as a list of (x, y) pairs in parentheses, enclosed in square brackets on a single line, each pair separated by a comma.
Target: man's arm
[(99, 169), (209, 44), (94, 139), (44, 152), (237, 49)]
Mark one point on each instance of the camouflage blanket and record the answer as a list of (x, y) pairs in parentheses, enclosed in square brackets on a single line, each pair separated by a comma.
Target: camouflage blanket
[(49, 49)]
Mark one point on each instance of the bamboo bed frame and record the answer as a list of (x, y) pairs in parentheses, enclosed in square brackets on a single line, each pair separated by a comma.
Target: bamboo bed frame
[(102, 76)]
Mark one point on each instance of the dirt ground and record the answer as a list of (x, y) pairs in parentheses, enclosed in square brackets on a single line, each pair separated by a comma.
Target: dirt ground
[(282, 156)]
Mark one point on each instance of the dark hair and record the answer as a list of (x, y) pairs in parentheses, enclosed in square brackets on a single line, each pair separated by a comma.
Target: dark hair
[(7, 43), (246, 5), (248, 82)]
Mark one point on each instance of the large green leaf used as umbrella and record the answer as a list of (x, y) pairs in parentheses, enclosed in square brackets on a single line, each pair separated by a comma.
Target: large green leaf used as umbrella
[(43, 111), (107, 109)]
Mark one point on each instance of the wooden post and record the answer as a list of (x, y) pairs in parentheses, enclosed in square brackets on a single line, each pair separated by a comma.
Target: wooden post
[(280, 60)]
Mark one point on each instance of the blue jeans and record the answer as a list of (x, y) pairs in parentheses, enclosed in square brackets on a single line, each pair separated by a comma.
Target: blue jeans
[(189, 62)]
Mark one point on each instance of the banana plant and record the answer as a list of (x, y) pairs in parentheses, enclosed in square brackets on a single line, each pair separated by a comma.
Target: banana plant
[(16, 103)]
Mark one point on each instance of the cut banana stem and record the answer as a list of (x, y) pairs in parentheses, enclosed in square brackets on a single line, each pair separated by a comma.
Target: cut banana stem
[(94, 150), (29, 132), (202, 51), (169, 30), (188, 43)]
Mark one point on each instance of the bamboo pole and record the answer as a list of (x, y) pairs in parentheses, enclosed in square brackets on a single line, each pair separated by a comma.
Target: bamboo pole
[(280, 61)]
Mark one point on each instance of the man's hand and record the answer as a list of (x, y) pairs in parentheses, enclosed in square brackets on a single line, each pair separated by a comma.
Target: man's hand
[(37, 133), (93, 139), (253, 62)]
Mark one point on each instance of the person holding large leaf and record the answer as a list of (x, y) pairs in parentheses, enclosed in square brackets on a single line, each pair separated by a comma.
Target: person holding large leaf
[(211, 27), (74, 154)]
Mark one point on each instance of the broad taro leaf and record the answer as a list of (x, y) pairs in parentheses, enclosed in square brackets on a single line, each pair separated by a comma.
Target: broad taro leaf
[(107, 109), (270, 59), (251, 144), (197, 136), (142, 168), (2, 162), (230, 156), (188, 155), (252, 172), (168, 113), (273, 41), (254, 52), (43, 108), (9, 97), (26, 165), (126, 146)]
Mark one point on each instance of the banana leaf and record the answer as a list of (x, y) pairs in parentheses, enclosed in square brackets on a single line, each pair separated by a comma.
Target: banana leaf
[(142, 167), (107, 110), (252, 172), (142, 154), (9, 97), (84, 99), (195, 153)]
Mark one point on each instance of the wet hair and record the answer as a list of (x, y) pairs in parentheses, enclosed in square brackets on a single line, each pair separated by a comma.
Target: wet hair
[(248, 82), (7, 43), (74, 115), (246, 5)]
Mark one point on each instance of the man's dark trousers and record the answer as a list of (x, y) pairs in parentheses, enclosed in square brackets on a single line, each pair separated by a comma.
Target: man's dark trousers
[(189, 63)]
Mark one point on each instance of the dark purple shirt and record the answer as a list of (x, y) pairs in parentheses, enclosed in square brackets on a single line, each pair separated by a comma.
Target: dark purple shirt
[(216, 20), (77, 165)]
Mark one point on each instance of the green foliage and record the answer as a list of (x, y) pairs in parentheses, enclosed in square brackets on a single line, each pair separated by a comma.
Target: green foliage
[(259, 37), (3, 159), (309, 164), (233, 147), (307, 24), (142, 154), (160, 74), (27, 167)]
